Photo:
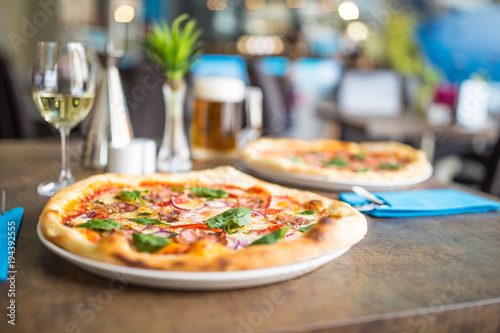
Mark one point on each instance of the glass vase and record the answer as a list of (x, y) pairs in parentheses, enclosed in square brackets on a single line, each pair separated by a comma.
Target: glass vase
[(174, 150)]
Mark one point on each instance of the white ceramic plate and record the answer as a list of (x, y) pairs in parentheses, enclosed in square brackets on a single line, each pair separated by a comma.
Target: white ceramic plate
[(326, 183), (191, 280)]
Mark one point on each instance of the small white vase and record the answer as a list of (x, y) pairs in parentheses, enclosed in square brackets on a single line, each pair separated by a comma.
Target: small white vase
[(174, 153)]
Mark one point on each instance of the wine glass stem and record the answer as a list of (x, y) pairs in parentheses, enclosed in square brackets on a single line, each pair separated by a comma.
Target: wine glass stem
[(65, 176)]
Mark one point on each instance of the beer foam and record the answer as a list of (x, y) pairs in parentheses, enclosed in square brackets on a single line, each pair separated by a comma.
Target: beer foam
[(220, 89)]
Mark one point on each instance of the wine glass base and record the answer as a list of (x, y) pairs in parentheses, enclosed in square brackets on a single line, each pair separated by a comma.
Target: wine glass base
[(48, 189)]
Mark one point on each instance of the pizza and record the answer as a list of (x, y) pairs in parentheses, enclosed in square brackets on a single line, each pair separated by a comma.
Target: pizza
[(334, 159), (211, 220)]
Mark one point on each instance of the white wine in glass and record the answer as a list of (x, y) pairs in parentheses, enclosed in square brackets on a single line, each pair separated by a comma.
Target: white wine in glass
[(63, 110), (63, 91)]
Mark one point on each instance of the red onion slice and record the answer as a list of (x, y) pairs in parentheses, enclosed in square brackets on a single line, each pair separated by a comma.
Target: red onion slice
[(258, 213), (236, 243), (178, 205), (148, 227), (166, 232)]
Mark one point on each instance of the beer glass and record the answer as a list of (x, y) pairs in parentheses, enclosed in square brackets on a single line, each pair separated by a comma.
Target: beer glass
[(218, 117)]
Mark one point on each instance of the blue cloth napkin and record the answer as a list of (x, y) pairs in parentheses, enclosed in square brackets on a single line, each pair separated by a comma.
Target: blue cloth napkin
[(9, 226), (424, 203)]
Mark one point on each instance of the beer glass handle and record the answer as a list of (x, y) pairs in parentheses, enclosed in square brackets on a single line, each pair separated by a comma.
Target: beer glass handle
[(254, 108)]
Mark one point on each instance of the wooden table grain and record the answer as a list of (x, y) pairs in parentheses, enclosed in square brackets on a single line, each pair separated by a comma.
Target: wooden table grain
[(426, 274)]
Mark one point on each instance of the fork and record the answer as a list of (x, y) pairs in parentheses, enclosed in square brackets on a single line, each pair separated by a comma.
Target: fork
[(368, 206), (373, 203)]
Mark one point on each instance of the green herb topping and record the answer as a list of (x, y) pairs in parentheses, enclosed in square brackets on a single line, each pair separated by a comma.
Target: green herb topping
[(144, 214), (296, 159), (149, 243), (306, 229), (177, 188), (389, 166), (308, 212), (209, 192), (100, 225), (335, 161), (273, 237), (231, 218), (360, 157), (146, 221), (131, 196)]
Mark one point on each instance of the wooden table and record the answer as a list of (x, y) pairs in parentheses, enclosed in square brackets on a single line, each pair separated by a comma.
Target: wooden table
[(408, 275)]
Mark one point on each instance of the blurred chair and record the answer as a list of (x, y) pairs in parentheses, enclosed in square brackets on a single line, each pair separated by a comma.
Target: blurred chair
[(278, 69), (14, 121), (491, 183), (364, 98), (142, 86), (274, 98), (489, 160), (376, 93)]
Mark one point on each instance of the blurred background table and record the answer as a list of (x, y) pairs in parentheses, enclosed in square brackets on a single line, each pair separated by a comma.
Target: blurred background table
[(406, 126), (425, 274)]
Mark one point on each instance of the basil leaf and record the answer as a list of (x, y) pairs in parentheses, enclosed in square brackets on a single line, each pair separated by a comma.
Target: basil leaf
[(177, 188), (360, 157), (296, 159), (389, 166), (273, 237), (100, 225), (146, 221), (131, 196), (335, 161), (363, 170), (306, 229), (308, 212), (149, 243), (144, 214), (231, 218), (209, 192)]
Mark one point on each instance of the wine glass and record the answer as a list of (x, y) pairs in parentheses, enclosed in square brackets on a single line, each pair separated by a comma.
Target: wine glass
[(63, 91)]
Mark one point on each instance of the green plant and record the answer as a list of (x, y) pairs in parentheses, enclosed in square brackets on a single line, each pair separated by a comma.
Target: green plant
[(174, 49)]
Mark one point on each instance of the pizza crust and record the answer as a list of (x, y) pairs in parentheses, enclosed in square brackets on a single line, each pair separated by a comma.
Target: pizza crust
[(342, 227), (254, 154)]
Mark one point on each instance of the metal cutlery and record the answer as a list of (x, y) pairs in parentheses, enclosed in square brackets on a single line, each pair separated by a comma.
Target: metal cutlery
[(373, 203), (366, 207)]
